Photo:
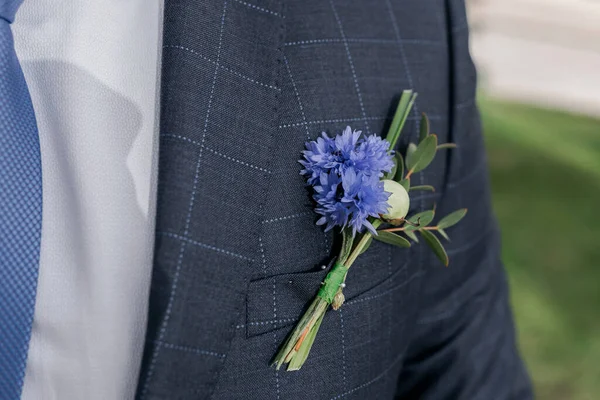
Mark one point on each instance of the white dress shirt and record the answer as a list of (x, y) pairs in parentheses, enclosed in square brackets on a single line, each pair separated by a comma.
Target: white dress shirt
[(92, 68)]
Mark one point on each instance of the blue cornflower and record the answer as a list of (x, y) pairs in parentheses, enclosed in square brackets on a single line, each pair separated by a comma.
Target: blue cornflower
[(319, 157), (374, 151), (328, 195), (365, 196), (347, 150), (345, 173), (346, 145)]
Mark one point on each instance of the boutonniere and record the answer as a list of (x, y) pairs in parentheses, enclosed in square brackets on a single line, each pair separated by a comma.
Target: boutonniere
[(360, 186)]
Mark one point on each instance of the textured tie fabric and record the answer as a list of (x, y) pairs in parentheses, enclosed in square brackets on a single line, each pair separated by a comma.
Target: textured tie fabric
[(20, 211)]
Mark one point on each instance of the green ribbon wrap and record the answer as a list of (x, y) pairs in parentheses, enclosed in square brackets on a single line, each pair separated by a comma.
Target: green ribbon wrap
[(332, 282)]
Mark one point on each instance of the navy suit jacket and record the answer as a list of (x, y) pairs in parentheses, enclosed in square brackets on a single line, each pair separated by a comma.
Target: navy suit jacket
[(244, 85)]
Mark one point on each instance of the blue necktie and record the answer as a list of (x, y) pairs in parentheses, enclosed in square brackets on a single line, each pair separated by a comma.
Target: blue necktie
[(20, 211)]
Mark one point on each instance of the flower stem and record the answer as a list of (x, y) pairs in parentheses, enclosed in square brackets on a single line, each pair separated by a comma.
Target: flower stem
[(361, 244), (296, 348), (405, 103), (294, 341)]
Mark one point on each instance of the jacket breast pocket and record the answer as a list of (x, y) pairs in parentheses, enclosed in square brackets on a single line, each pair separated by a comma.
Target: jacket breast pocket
[(376, 280), (363, 341)]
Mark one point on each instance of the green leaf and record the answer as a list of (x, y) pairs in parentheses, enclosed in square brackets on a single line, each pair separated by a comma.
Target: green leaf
[(423, 155), (443, 234), (423, 187), (412, 235), (392, 238), (424, 131), (404, 105), (410, 150), (446, 146), (452, 218), (300, 357), (400, 164), (369, 241), (405, 184), (422, 218), (435, 245)]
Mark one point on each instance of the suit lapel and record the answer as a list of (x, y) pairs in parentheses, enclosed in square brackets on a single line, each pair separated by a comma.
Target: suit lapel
[(219, 98)]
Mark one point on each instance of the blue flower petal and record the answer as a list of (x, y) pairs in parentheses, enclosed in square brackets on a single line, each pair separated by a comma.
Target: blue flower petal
[(345, 174)]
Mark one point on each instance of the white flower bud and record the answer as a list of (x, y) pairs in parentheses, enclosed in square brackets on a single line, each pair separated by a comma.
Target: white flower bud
[(398, 201)]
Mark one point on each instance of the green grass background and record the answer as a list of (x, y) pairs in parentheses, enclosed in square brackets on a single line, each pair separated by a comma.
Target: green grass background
[(545, 174)]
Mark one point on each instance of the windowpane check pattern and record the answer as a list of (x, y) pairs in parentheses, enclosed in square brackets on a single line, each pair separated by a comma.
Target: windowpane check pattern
[(244, 85)]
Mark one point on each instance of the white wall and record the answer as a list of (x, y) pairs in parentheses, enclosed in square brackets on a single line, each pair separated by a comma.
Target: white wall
[(545, 52)]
